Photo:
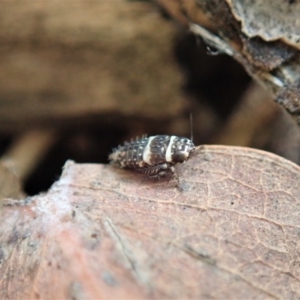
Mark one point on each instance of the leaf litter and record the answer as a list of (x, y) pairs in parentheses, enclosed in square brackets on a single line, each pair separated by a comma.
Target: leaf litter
[(231, 231)]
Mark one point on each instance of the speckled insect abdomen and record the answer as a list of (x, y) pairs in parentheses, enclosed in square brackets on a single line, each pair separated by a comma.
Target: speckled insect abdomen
[(154, 156)]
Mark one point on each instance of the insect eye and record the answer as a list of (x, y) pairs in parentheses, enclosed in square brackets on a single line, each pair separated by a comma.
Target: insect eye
[(178, 157)]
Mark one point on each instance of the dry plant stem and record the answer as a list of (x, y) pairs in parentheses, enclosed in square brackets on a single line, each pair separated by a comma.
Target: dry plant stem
[(10, 184), (27, 151), (214, 41)]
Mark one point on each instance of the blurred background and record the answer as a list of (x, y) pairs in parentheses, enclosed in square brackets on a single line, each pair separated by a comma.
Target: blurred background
[(78, 78)]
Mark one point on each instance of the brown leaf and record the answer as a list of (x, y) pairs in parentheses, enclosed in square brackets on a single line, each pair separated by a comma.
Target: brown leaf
[(231, 232), (270, 22)]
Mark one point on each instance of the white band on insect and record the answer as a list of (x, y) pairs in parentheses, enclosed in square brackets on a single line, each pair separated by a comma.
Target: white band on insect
[(147, 151), (169, 149)]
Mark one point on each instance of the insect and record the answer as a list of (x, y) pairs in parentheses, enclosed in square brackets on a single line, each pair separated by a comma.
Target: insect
[(154, 156)]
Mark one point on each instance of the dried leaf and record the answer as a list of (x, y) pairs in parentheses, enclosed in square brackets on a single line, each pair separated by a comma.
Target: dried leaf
[(269, 21), (231, 232)]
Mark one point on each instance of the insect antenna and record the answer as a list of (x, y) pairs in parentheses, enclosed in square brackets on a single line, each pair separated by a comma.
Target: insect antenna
[(191, 124)]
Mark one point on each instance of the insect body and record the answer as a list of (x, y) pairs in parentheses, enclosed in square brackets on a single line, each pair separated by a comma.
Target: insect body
[(155, 156)]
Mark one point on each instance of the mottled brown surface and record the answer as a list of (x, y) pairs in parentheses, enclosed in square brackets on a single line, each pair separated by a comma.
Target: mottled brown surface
[(290, 98), (270, 22), (231, 233)]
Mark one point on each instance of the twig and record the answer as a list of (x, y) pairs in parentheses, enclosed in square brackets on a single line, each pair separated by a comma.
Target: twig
[(27, 151)]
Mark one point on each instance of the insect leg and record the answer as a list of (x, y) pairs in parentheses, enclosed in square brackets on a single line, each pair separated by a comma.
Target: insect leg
[(163, 170), (156, 171), (176, 177)]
